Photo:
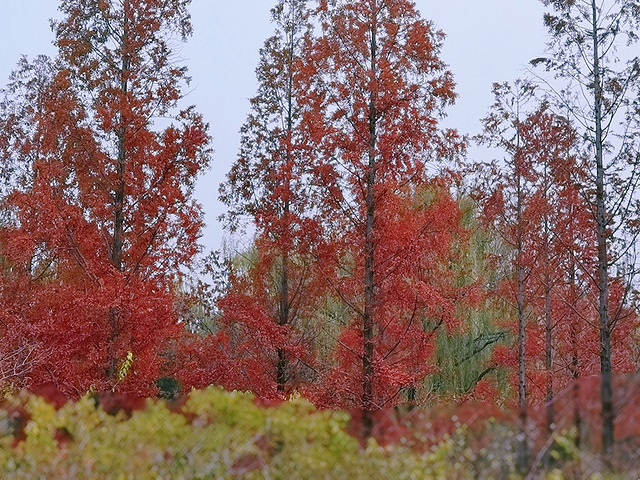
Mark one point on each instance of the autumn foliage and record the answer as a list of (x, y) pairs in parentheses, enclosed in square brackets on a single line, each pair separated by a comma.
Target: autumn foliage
[(376, 89), (381, 271), (104, 218)]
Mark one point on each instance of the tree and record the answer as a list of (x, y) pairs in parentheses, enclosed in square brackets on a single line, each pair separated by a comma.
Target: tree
[(103, 218), (590, 50), (507, 206), (376, 89), (463, 359), (533, 203), (549, 142), (271, 300)]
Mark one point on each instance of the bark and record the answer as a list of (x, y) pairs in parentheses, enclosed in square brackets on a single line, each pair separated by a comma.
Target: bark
[(112, 354), (281, 369), (606, 393), (548, 328), (575, 365), (117, 243), (121, 160), (522, 449), (285, 305), (369, 281)]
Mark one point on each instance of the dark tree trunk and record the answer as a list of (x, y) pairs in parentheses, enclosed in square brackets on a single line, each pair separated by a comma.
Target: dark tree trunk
[(282, 376), (606, 391), (283, 319), (370, 246), (523, 448), (117, 243), (548, 329), (575, 377)]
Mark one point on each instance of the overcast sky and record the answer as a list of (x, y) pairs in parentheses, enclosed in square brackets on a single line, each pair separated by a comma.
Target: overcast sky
[(487, 41)]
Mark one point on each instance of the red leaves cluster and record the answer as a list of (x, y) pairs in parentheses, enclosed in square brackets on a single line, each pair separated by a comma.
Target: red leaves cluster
[(375, 87), (552, 239), (102, 218), (307, 159)]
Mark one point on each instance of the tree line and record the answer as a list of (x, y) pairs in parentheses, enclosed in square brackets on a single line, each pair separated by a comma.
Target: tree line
[(386, 266)]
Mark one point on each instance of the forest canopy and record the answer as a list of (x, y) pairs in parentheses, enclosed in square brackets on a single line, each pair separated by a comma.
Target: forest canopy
[(383, 265)]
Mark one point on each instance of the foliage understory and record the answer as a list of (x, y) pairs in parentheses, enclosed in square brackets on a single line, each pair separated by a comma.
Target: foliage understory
[(217, 434)]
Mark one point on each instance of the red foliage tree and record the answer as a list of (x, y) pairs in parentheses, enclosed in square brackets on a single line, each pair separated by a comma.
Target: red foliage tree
[(592, 47), (375, 91), (274, 290), (549, 143), (508, 208), (103, 218), (537, 208), (564, 246)]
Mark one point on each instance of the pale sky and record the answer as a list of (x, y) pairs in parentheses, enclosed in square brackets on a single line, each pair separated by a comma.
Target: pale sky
[(487, 41)]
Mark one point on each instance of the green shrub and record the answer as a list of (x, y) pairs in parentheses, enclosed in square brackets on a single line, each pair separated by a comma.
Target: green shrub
[(214, 434)]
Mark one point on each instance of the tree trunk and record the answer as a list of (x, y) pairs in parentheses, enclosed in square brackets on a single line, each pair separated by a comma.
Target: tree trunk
[(112, 354), (283, 319), (606, 392), (575, 362), (575, 377), (118, 197), (548, 329), (117, 243), (285, 306), (121, 160), (369, 268), (522, 460)]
